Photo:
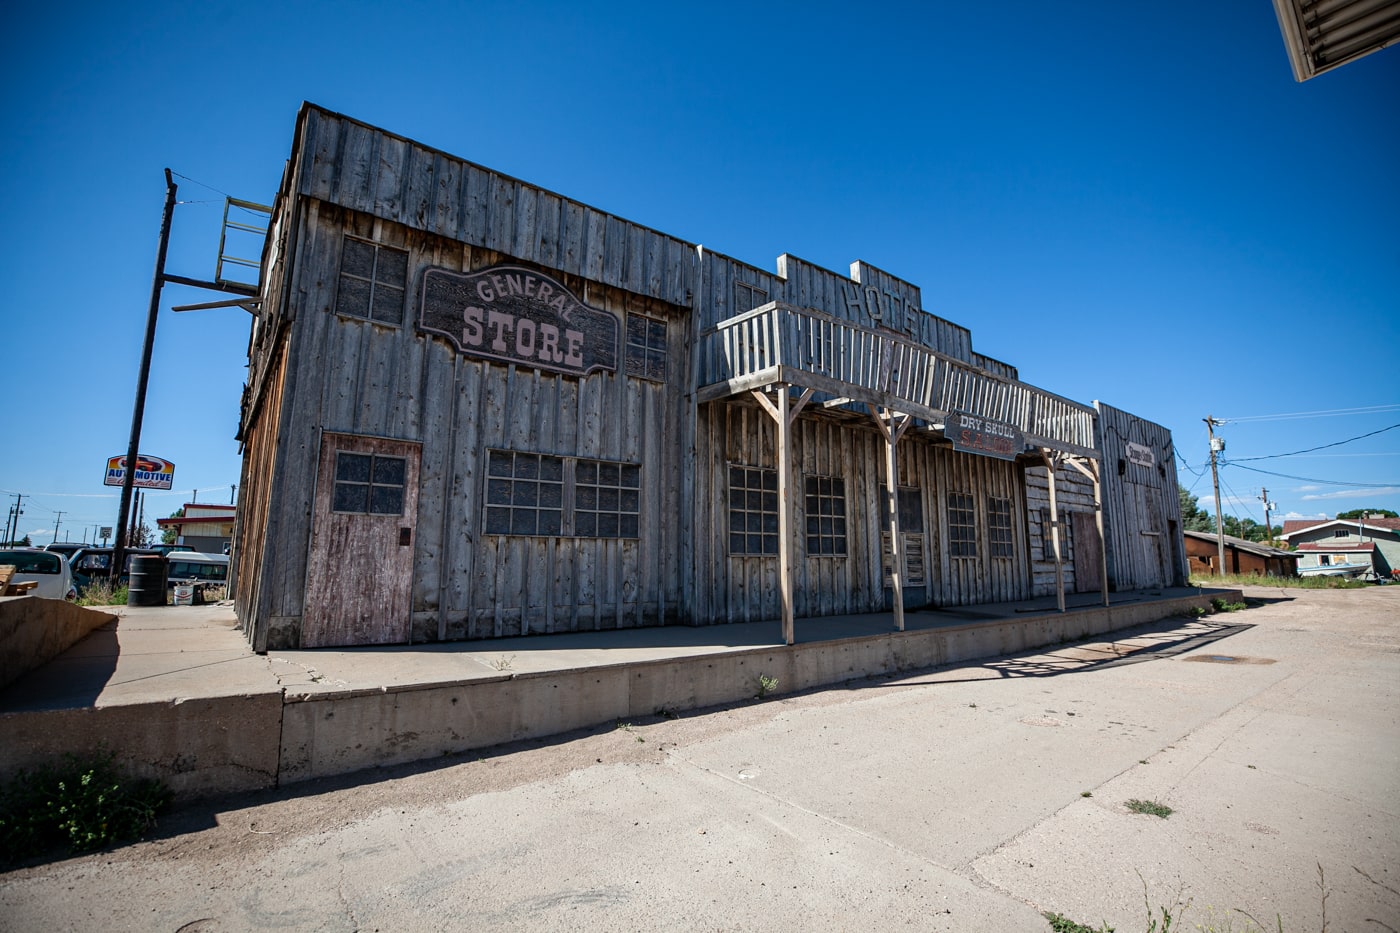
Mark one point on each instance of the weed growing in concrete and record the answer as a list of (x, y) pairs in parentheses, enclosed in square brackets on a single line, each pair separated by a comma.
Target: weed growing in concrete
[(1221, 605), (1086, 793), (1150, 807), (1059, 923), (1292, 583), (766, 685), (79, 805), (102, 593)]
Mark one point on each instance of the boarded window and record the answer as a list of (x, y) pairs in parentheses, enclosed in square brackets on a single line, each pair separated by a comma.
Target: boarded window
[(368, 484), (373, 279), (646, 347), (541, 495), (753, 511), (962, 525), (826, 515), (999, 541)]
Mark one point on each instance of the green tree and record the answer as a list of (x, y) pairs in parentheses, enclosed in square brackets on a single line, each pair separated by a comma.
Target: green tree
[(1358, 513), (1193, 517), (167, 535)]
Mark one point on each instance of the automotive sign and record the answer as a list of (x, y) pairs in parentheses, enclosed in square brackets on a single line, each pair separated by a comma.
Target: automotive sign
[(151, 472)]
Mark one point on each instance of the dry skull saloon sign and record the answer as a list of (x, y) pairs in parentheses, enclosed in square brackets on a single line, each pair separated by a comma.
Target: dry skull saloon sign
[(518, 315), (976, 435)]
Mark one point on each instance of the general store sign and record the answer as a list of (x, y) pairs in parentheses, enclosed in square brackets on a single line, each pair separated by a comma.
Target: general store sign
[(972, 434), (151, 472), (517, 315), (1142, 456)]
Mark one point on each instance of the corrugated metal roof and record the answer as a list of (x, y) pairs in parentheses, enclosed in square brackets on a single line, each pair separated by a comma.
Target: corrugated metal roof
[(1249, 547), (1323, 34)]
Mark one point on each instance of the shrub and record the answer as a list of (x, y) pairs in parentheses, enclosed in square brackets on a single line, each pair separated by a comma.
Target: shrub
[(79, 805)]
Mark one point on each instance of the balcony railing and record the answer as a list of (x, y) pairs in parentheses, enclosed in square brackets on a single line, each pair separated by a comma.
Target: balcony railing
[(781, 343)]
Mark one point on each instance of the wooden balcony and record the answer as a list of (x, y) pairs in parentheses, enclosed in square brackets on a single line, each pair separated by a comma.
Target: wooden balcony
[(781, 344)]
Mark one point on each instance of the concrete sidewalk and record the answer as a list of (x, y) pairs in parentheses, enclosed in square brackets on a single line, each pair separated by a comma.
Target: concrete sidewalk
[(177, 692)]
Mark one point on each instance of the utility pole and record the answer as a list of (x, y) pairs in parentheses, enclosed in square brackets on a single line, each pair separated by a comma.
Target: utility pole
[(1268, 529), (58, 518), (138, 411), (12, 526), (1217, 444)]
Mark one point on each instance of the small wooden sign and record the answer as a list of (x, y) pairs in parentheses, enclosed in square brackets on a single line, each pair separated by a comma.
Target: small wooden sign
[(972, 434), (1141, 455), (518, 315)]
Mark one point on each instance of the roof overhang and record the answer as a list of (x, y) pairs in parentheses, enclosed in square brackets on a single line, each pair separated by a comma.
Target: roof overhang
[(1324, 34)]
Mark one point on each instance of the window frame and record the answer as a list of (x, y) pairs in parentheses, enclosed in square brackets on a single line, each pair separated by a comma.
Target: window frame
[(758, 485), (652, 350), (610, 492), (824, 503), (370, 484), (1001, 540), (374, 282), (962, 534)]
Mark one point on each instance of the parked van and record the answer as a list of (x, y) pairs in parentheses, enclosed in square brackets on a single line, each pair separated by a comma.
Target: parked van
[(195, 567)]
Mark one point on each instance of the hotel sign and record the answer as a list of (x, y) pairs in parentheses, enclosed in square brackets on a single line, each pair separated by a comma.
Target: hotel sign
[(972, 434), (516, 315), (151, 472)]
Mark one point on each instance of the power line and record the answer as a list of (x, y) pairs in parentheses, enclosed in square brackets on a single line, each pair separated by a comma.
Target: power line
[(1328, 413), (1305, 479), (1321, 447)]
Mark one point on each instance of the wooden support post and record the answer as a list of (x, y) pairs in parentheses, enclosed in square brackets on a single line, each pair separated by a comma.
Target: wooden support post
[(1052, 462), (892, 426), (785, 413)]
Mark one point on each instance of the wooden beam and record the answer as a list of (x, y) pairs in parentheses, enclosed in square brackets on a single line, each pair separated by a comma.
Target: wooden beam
[(785, 513), (893, 425), (1052, 460)]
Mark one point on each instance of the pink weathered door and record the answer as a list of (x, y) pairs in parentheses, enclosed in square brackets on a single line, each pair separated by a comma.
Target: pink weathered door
[(359, 573)]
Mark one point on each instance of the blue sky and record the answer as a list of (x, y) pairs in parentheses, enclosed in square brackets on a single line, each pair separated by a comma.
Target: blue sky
[(1127, 203)]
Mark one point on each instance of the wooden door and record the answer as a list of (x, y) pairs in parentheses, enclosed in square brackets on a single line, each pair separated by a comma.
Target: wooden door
[(1088, 557), (359, 573)]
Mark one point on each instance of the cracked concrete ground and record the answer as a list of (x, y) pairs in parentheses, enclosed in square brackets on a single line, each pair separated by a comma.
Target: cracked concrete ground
[(971, 797)]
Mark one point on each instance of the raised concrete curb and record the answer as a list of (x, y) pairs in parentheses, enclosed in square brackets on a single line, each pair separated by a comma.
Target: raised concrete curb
[(252, 738), (34, 631), (326, 733)]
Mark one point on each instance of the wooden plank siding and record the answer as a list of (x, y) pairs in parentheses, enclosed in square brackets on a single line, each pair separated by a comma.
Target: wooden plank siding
[(737, 588), (1142, 508), (315, 370)]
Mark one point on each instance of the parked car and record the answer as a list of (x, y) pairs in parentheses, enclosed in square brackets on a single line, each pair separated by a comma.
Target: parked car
[(45, 568), (167, 549), (66, 548), (92, 564)]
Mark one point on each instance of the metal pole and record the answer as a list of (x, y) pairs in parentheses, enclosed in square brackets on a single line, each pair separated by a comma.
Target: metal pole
[(138, 410), (1215, 479)]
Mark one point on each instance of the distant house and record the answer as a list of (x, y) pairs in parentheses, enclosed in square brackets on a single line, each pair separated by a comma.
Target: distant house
[(205, 527), (1241, 556), (1329, 542)]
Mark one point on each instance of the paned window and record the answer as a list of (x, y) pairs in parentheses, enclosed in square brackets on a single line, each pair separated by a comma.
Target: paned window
[(372, 281), (606, 499), (524, 493), (747, 297), (646, 347), (999, 527), (826, 515), (541, 495), (368, 484), (753, 510), (962, 525)]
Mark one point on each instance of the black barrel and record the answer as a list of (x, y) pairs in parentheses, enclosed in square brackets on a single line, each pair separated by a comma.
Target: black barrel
[(146, 584)]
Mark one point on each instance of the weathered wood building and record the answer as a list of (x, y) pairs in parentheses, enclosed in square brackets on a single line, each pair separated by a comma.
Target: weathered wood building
[(477, 408)]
